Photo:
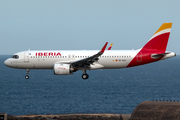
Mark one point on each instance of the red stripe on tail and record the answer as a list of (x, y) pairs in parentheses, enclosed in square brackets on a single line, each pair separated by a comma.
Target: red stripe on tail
[(156, 45)]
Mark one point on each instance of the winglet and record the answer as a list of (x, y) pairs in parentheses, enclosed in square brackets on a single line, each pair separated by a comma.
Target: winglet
[(104, 47), (110, 46)]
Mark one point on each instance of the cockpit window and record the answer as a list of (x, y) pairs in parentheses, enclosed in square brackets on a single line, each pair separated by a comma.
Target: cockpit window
[(15, 56)]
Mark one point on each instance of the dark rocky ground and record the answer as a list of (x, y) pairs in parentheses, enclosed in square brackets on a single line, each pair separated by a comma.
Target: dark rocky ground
[(71, 117)]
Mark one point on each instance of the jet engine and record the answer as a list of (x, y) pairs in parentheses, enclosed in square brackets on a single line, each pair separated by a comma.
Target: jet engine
[(62, 69)]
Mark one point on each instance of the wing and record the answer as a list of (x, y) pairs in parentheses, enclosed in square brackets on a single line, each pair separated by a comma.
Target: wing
[(89, 60)]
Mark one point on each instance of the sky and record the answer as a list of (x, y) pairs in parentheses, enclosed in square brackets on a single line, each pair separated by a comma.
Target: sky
[(85, 24)]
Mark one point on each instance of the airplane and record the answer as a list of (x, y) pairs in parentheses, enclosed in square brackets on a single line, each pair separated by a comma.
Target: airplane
[(65, 62), (110, 46)]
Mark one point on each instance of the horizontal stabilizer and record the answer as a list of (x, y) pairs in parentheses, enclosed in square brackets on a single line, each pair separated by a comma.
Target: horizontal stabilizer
[(156, 56)]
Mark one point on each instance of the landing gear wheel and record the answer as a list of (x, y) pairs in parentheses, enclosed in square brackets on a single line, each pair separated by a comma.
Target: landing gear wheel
[(27, 77), (85, 76)]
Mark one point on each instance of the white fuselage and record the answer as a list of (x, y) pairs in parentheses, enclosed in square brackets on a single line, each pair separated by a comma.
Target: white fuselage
[(111, 59)]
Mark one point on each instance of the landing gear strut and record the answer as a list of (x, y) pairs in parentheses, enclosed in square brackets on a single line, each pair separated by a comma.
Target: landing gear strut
[(27, 76), (84, 75)]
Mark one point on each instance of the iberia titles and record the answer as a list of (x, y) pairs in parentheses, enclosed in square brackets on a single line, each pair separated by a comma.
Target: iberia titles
[(48, 54)]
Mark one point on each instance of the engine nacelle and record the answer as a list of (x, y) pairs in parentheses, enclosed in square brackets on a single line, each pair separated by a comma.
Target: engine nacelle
[(62, 69)]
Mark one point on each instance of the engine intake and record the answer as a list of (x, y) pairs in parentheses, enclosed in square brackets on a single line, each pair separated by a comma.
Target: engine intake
[(62, 69)]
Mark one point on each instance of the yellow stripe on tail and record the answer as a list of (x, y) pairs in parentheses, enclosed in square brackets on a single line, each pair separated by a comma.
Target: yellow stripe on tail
[(163, 27)]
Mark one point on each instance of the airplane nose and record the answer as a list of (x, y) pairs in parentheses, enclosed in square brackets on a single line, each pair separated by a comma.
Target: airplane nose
[(7, 62)]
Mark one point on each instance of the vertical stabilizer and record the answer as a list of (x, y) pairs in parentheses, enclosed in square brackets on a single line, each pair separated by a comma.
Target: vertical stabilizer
[(156, 45), (160, 38)]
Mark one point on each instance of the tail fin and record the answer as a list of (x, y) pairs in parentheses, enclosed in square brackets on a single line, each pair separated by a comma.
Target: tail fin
[(159, 40), (155, 48)]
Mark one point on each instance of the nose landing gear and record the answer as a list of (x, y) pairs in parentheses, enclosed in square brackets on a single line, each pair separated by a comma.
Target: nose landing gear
[(27, 76)]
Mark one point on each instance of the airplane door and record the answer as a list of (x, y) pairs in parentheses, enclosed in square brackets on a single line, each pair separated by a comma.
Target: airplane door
[(26, 57), (139, 57), (71, 57)]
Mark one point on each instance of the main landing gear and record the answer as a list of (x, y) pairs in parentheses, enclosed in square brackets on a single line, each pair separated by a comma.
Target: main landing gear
[(84, 75), (27, 76)]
